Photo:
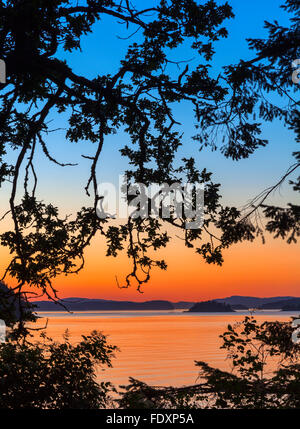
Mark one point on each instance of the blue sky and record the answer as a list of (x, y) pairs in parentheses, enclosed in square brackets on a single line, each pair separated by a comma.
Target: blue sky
[(101, 52)]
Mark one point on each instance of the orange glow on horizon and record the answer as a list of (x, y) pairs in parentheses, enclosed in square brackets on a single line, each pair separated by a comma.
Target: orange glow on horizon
[(272, 269), (249, 269)]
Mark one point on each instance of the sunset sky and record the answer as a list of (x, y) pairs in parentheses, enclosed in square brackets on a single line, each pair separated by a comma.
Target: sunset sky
[(271, 269)]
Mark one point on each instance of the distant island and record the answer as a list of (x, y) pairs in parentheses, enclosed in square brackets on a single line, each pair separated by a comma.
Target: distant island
[(255, 302), (283, 303), (85, 304), (211, 307), (291, 305), (229, 304)]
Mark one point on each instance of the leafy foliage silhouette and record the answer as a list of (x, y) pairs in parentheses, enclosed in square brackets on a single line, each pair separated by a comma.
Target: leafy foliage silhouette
[(138, 99), (47, 374), (265, 373)]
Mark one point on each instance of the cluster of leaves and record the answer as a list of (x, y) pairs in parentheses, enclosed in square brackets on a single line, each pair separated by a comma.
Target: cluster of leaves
[(265, 374), (46, 245), (51, 375)]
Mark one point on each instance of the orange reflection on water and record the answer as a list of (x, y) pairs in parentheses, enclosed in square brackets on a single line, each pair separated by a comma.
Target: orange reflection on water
[(159, 349)]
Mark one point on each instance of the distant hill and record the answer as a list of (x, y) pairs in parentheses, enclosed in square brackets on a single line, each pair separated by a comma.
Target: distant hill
[(183, 304), (250, 301), (293, 302), (211, 307), (235, 302), (240, 307), (85, 304), (291, 305)]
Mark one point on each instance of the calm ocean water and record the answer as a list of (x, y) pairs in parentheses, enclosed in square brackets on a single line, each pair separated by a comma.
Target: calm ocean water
[(158, 347)]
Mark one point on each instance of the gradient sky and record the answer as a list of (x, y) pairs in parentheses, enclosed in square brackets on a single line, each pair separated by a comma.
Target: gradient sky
[(249, 268)]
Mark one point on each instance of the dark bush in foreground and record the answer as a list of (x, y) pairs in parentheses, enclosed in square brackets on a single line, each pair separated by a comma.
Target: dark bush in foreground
[(265, 373), (55, 375)]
